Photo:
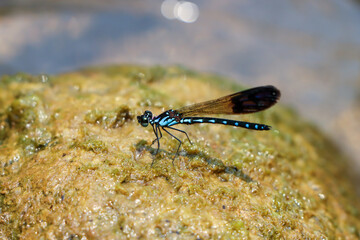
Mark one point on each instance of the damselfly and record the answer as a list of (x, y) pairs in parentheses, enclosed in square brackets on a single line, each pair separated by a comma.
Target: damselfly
[(248, 101)]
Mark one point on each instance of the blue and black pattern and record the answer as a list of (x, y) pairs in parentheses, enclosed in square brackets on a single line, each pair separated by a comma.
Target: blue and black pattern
[(248, 101), (248, 125)]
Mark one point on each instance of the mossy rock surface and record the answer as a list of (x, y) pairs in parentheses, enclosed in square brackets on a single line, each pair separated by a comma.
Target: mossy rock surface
[(75, 164)]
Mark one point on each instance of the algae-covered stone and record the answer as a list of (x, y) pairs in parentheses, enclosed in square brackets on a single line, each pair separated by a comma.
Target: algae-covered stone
[(75, 164)]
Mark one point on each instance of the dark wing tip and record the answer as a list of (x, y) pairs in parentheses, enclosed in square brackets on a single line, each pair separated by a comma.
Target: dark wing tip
[(274, 92), (270, 92), (255, 99)]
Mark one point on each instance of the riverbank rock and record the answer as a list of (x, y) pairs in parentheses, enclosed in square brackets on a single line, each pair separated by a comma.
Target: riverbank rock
[(76, 164)]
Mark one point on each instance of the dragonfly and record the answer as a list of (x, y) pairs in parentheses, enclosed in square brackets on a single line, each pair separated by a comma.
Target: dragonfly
[(248, 101)]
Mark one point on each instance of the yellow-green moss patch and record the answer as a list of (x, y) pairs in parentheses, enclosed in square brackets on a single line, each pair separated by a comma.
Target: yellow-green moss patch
[(75, 164)]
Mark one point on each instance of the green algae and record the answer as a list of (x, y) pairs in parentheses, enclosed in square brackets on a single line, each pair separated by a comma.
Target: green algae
[(6, 80), (35, 140), (110, 119), (25, 112), (76, 164), (27, 116), (4, 130)]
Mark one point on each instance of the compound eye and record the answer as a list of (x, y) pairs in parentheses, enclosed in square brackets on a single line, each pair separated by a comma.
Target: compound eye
[(148, 114), (144, 121)]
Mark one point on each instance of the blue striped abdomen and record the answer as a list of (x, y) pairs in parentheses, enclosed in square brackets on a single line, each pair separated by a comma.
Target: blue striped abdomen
[(248, 125)]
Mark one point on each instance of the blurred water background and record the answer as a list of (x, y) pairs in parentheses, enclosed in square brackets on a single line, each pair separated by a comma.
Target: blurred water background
[(308, 49)]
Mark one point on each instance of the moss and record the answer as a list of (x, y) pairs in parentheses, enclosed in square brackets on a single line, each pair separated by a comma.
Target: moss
[(27, 119), (147, 75), (72, 152), (4, 130), (110, 119), (237, 230), (91, 144), (23, 78), (34, 140), (26, 111)]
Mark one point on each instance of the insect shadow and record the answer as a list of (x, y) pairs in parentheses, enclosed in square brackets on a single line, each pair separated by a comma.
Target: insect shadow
[(214, 164)]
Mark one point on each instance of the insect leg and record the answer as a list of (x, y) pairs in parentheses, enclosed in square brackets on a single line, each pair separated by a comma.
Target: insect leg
[(180, 142), (159, 139), (156, 139), (182, 132)]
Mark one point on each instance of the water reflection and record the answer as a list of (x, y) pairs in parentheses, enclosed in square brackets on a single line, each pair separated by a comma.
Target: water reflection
[(184, 11)]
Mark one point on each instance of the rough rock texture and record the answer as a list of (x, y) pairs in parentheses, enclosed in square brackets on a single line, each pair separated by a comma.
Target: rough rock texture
[(75, 164)]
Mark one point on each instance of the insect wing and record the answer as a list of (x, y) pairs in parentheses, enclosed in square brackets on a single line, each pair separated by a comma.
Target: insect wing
[(247, 101)]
